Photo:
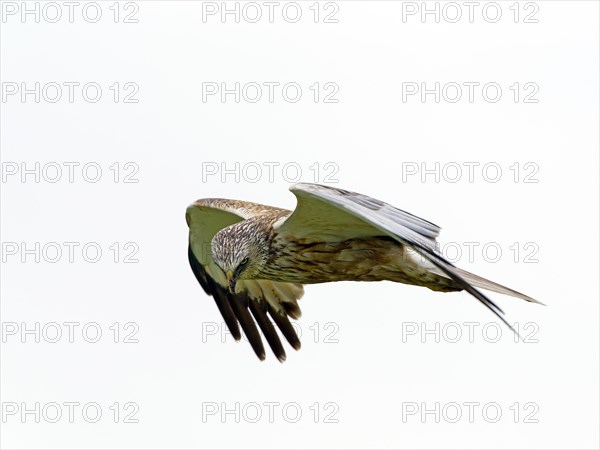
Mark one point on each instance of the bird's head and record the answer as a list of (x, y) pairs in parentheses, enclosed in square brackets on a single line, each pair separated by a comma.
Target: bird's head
[(240, 250)]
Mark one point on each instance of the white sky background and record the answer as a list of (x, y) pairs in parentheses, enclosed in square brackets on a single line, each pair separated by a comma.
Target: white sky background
[(369, 377)]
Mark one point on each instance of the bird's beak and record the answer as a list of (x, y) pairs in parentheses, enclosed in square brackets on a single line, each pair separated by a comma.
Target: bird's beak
[(231, 280)]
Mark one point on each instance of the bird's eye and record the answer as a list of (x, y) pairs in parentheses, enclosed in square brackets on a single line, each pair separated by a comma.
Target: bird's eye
[(244, 262)]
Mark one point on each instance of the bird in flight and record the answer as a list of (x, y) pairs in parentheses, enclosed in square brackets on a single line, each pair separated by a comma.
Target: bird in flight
[(253, 259)]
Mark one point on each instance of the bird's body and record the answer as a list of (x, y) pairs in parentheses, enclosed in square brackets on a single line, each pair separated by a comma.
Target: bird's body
[(360, 259), (255, 256)]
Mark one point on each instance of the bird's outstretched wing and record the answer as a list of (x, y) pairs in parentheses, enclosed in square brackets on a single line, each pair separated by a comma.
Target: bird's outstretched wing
[(325, 212), (252, 299)]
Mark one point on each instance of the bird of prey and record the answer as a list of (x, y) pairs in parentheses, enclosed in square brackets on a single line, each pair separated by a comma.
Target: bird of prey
[(253, 259)]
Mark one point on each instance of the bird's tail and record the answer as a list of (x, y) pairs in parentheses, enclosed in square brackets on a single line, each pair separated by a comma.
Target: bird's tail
[(489, 285)]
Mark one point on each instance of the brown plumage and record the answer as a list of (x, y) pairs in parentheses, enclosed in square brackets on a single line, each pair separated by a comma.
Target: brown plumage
[(253, 259)]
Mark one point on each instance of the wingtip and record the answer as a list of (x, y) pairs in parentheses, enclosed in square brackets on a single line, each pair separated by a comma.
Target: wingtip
[(527, 298), (533, 300)]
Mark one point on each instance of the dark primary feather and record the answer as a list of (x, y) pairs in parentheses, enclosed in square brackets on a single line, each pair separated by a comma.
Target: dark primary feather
[(286, 327), (218, 293), (234, 309), (239, 304), (259, 311)]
